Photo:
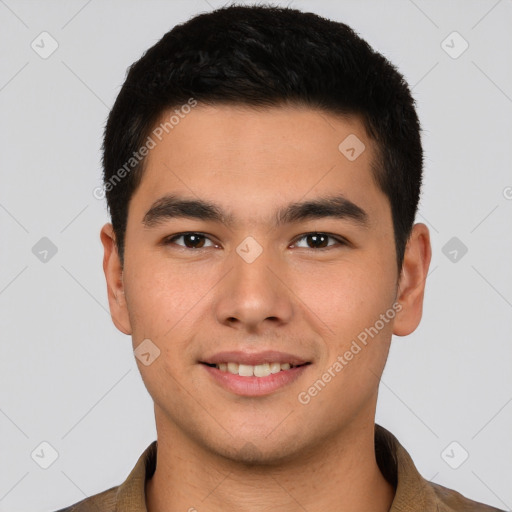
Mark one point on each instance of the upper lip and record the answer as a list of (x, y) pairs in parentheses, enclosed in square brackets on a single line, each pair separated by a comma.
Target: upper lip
[(254, 358)]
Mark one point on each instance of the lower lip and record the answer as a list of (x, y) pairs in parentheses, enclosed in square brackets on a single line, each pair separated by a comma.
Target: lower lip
[(255, 386)]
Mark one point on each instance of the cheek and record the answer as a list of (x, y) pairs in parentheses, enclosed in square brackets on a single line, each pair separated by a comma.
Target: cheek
[(166, 304), (163, 307), (156, 298), (346, 298)]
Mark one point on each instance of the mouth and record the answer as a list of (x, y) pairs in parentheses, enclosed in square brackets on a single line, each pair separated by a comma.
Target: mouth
[(254, 374), (258, 370)]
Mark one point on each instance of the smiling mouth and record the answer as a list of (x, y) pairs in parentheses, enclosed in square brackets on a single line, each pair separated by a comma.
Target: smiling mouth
[(259, 370)]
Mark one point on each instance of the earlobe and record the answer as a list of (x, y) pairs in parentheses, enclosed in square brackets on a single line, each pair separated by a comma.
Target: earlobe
[(411, 288), (114, 277)]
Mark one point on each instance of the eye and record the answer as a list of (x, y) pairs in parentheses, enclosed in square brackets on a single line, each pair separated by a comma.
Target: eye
[(190, 240), (320, 240)]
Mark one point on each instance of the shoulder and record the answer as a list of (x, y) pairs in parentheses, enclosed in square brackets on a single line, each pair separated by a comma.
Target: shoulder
[(412, 491), (452, 501), (102, 502), (127, 496)]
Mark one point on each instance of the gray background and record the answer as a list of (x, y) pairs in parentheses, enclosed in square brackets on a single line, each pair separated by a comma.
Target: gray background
[(69, 378)]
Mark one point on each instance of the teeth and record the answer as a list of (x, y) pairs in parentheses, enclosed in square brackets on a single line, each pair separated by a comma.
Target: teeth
[(262, 370), (247, 370), (233, 368), (275, 367)]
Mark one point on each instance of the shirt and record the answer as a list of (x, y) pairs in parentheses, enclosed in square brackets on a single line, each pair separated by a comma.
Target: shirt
[(412, 492)]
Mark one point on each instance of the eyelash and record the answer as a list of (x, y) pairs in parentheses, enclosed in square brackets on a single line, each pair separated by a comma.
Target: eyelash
[(341, 241)]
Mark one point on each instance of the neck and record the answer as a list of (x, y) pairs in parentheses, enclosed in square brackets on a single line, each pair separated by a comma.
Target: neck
[(340, 475)]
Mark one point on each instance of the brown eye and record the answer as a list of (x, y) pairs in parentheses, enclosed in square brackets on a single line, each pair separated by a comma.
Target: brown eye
[(193, 241), (190, 240), (320, 241)]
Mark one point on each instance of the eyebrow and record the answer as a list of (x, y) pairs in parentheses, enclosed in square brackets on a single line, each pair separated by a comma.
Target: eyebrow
[(174, 206)]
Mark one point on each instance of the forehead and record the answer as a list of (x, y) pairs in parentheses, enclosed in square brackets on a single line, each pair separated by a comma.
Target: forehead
[(253, 160)]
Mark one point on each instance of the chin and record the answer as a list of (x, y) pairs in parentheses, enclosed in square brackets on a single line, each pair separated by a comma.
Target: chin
[(259, 451)]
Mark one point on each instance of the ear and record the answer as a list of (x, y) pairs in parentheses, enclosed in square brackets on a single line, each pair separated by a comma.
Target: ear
[(114, 277), (411, 286)]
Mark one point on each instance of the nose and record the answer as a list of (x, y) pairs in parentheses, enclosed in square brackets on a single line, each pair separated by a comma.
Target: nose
[(254, 296)]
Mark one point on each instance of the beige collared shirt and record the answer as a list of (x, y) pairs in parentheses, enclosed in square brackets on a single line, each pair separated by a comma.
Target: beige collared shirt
[(413, 493)]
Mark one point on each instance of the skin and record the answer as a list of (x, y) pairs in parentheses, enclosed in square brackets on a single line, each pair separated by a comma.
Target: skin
[(218, 451)]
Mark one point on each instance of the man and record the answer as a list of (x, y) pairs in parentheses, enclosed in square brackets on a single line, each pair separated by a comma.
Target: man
[(262, 168)]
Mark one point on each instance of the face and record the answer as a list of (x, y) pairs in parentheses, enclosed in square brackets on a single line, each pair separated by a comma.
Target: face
[(225, 263)]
